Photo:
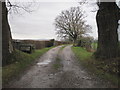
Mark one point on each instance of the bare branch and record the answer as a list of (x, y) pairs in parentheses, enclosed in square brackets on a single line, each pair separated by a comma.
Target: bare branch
[(71, 23), (17, 7)]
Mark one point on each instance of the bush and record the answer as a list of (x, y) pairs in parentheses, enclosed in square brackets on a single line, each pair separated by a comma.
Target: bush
[(85, 42), (49, 43)]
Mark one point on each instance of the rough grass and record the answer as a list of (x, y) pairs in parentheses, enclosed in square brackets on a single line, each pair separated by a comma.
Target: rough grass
[(94, 45), (63, 47), (57, 64), (106, 69), (81, 53), (23, 60)]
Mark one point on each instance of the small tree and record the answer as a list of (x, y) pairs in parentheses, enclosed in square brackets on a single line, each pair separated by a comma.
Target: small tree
[(71, 24)]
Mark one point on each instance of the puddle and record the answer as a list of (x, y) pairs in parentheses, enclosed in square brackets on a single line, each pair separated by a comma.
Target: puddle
[(44, 62), (87, 78)]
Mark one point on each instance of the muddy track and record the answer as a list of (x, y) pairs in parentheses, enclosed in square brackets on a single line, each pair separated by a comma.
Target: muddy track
[(74, 75), (58, 69), (40, 74)]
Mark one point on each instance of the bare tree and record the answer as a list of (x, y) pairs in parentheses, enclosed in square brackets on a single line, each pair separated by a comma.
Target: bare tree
[(7, 47), (19, 7), (107, 22), (108, 15), (7, 7), (71, 23)]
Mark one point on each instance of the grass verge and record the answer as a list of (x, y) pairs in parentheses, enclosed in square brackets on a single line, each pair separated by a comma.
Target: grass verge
[(23, 60), (106, 69)]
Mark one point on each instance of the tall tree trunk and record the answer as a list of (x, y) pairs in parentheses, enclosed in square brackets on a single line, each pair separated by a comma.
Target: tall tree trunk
[(107, 22), (0, 34), (7, 47)]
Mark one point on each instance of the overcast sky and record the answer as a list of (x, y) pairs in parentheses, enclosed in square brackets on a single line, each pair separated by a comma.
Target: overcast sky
[(40, 23)]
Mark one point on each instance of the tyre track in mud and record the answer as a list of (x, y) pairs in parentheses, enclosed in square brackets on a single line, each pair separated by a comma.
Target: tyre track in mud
[(73, 75), (69, 74), (39, 75)]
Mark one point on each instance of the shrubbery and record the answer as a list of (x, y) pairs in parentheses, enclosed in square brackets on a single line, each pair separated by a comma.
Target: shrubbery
[(49, 43), (85, 42)]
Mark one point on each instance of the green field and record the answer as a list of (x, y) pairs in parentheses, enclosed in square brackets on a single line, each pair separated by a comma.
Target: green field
[(22, 61)]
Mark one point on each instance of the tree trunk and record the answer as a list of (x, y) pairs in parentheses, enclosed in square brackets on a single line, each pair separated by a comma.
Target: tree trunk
[(107, 22), (0, 34), (7, 47)]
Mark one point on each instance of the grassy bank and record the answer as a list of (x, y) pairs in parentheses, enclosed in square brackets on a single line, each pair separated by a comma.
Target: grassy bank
[(22, 61), (106, 69)]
